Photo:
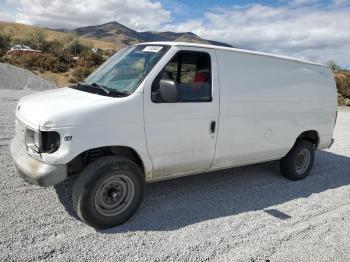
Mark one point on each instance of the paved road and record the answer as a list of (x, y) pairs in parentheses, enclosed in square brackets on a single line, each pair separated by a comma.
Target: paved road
[(243, 214)]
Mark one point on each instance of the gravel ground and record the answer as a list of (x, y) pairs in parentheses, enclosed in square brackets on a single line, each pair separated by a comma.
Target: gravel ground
[(243, 214), (12, 77)]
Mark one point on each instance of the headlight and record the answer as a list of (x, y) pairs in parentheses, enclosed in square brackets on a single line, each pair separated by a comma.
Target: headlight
[(33, 140), (36, 139), (42, 141)]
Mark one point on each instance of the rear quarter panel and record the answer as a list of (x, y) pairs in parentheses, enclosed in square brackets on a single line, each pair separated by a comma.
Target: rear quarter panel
[(266, 103)]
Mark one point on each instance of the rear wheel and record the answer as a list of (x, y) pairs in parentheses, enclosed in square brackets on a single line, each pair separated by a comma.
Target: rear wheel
[(297, 164), (108, 192)]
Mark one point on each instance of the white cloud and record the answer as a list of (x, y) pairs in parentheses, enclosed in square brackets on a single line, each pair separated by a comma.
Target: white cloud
[(307, 32), (307, 29), (137, 14), (340, 2), (303, 2)]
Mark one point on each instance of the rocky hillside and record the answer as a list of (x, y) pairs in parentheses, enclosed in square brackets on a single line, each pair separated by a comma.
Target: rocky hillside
[(115, 32), (18, 31), (12, 77)]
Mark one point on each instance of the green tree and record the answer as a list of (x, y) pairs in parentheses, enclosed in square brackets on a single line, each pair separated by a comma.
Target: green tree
[(5, 42), (333, 65), (72, 43), (72, 47), (36, 39)]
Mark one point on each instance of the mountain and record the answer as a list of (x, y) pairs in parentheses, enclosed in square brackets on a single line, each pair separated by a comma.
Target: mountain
[(119, 34), (106, 36), (110, 32), (179, 37)]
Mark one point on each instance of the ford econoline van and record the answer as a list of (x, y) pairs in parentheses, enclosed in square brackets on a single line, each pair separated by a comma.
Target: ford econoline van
[(161, 110)]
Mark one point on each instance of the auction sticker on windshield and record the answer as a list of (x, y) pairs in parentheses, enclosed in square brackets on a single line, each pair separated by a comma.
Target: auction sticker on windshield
[(151, 48)]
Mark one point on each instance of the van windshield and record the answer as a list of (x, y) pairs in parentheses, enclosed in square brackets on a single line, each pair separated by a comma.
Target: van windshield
[(124, 71)]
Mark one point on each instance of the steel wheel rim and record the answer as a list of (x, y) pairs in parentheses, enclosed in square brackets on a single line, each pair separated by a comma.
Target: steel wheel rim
[(302, 161), (114, 195)]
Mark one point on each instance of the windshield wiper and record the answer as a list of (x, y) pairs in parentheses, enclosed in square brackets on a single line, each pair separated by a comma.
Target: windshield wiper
[(104, 89), (122, 93), (101, 87), (95, 85)]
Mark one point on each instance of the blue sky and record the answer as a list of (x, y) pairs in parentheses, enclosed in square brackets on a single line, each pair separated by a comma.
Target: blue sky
[(196, 8), (316, 30)]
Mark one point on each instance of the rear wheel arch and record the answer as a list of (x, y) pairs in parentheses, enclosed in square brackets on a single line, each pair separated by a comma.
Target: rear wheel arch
[(310, 135), (297, 164)]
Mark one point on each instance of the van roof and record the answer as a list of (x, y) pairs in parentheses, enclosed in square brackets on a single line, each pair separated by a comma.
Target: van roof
[(232, 49)]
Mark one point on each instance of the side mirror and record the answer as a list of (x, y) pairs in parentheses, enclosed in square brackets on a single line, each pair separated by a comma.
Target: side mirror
[(168, 90)]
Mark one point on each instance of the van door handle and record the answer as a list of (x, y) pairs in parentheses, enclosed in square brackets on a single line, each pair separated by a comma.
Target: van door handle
[(212, 127)]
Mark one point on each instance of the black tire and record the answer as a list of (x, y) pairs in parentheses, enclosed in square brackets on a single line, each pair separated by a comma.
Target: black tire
[(297, 164), (108, 192)]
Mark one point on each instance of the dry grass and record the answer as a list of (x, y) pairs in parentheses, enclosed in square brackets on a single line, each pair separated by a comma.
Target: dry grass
[(343, 82), (20, 30), (342, 79), (60, 79)]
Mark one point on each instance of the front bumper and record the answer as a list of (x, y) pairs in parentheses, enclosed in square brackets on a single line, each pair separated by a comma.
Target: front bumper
[(34, 171)]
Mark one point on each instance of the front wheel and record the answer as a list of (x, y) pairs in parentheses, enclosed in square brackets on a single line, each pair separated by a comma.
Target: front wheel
[(108, 192), (297, 164)]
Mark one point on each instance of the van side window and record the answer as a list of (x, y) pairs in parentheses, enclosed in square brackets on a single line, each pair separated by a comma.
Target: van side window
[(191, 73)]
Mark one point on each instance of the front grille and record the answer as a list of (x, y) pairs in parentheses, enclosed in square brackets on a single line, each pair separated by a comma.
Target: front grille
[(21, 136), (20, 131)]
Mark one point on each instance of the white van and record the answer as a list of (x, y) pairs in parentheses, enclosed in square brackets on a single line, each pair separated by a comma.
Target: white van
[(161, 110)]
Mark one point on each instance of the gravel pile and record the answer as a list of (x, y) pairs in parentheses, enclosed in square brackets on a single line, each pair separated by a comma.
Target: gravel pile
[(243, 214), (12, 77)]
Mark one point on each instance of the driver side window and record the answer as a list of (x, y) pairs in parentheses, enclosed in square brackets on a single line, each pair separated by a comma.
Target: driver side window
[(190, 73)]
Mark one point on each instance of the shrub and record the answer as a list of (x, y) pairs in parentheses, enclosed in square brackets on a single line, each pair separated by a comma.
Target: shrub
[(343, 83), (35, 39), (20, 60), (333, 65), (52, 63), (42, 62), (5, 42), (57, 55), (108, 53), (86, 64), (90, 59), (67, 48), (73, 45), (80, 73)]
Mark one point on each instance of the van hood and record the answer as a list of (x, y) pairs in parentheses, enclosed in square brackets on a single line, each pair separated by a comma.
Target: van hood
[(56, 107)]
